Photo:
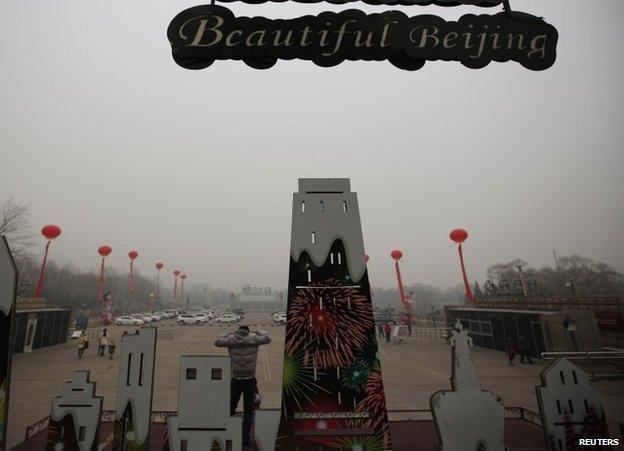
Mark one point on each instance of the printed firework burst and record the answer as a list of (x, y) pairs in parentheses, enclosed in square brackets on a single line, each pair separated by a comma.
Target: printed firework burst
[(374, 401), (298, 380), (335, 323)]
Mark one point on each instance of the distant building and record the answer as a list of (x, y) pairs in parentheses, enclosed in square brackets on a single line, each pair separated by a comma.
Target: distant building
[(608, 310), (257, 299), (543, 330), (37, 326)]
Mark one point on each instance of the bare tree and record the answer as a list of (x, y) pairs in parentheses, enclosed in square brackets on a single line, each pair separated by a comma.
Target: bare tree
[(14, 224)]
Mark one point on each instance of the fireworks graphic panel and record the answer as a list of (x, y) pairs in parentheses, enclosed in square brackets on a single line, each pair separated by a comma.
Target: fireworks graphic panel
[(332, 395)]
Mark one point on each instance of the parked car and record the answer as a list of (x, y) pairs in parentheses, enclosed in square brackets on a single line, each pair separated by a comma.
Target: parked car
[(145, 319), (280, 318), (227, 318), (203, 317), (187, 318), (128, 321)]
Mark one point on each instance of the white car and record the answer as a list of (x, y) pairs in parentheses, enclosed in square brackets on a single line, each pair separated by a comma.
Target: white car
[(203, 317), (128, 321), (187, 318), (280, 318), (227, 318), (145, 319)]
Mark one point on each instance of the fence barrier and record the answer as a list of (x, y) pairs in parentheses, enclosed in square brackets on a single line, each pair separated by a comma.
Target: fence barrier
[(160, 416)]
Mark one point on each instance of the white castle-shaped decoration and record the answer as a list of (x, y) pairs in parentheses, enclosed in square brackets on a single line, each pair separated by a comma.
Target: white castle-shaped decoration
[(134, 387), (204, 406), (467, 418), (570, 406), (79, 405)]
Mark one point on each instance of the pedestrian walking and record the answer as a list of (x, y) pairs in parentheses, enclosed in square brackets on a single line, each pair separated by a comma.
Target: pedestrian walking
[(243, 346), (111, 347), (388, 331), (381, 330), (510, 350), (524, 346), (103, 342), (83, 343)]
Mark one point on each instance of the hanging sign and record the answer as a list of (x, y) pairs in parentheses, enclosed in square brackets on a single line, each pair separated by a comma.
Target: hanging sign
[(483, 3), (203, 34)]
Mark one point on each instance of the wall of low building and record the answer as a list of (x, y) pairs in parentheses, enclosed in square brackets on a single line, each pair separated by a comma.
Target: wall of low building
[(608, 311)]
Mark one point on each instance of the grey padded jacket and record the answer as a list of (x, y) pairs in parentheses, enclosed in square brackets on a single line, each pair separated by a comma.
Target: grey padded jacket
[(243, 349)]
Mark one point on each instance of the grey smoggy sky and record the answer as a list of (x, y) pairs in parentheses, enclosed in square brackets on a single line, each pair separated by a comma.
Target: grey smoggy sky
[(103, 134)]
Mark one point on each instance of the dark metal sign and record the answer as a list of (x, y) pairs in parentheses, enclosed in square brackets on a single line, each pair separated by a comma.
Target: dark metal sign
[(203, 34), (484, 3)]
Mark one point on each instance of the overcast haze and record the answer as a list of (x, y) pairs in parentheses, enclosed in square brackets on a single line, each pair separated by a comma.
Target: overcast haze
[(103, 134)]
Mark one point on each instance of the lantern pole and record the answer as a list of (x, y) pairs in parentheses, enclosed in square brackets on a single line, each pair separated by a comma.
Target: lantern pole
[(49, 232), (396, 256), (104, 252), (469, 294), (176, 273), (182, 277), (459, 236), (159, 266), (133, 255), (39, 286)]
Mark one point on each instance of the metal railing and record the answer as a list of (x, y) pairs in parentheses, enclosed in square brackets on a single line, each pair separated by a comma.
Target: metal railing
[(160, 416), (107, 416), (430, 333), (426, 415), (607, 364), (166, 334)]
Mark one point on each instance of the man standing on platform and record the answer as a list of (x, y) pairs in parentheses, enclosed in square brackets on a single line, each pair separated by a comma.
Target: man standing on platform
[(242, 346)]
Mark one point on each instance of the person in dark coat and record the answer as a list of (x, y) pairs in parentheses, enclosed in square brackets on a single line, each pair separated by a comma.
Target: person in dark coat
[(243, 346), (524, 347), (388, 331), (510, 349)]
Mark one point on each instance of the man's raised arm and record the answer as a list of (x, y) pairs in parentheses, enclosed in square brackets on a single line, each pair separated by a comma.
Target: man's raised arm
[(262, 337), (222, 341)]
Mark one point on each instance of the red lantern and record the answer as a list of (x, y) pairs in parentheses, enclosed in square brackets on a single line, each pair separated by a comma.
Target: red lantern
[(159, 266), (183, 276), (51, 231), (104, 251), (458, 235), (176, 273), (133, 255), (396, 254)]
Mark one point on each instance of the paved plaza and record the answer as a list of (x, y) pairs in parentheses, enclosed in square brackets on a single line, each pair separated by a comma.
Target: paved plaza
[(412, 372)]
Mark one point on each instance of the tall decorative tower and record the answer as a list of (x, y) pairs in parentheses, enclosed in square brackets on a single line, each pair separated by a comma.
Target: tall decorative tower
[(332, 393)]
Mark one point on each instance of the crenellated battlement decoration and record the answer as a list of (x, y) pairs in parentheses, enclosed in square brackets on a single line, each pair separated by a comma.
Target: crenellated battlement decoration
[(570, 406), (75, 418), (203, 417), (134, 390)]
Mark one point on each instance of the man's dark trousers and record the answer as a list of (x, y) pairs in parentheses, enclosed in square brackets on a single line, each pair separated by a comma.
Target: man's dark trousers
[(247, 388)]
